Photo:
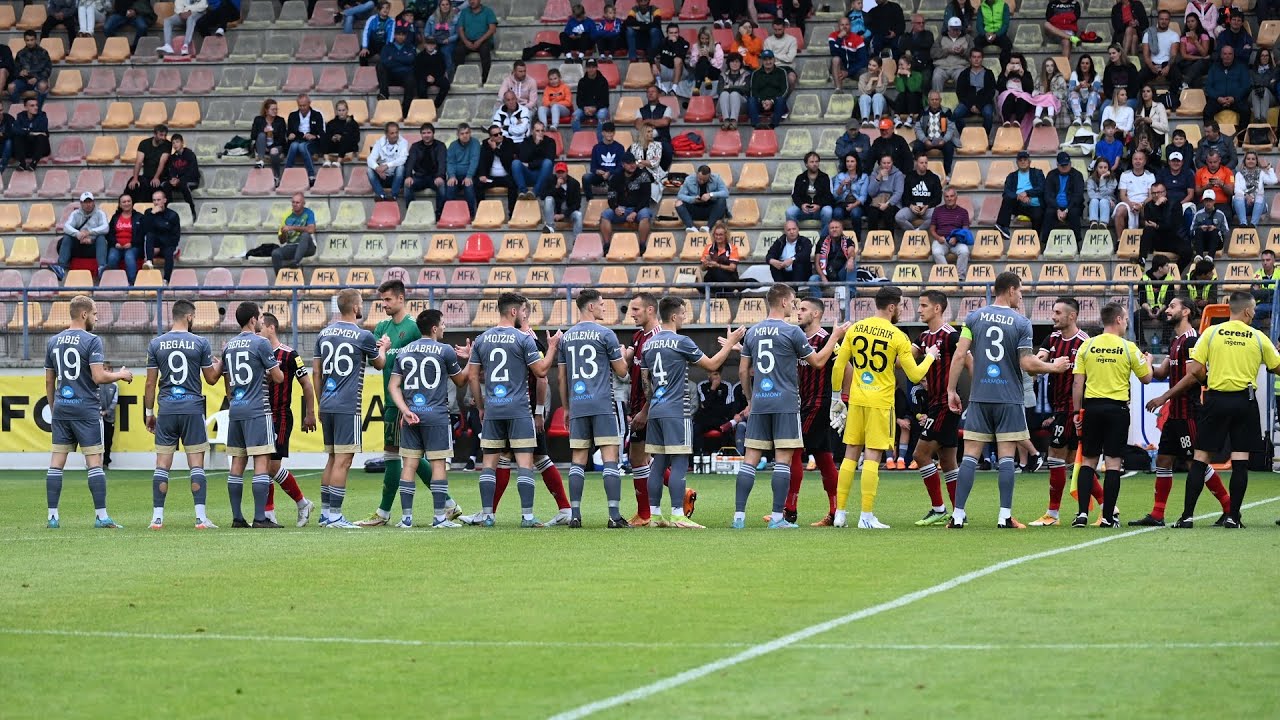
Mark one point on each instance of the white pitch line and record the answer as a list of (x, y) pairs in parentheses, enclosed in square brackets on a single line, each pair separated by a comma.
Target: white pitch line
[(798, 636)]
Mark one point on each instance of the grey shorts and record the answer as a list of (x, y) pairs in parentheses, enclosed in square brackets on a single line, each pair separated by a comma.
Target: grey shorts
[(84, 434), (999, 422), (342, 433), (501, 433), (250, 437), (434, 442), (186, 429), (669, 436), (599, 430), (778, 430)]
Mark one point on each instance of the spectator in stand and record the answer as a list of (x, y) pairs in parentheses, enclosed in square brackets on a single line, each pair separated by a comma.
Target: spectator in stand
[(149, 164), (950, 55), (872, 86), (137, 13), (886, 23), (463, 162), (606, 160), (431, 68), (747, 45), (720, 260), (1265, 74), (648, 152), (921, 193), (426, 168), (909, 84), (1150, 121), (884, 194), (33, 67), (563, 201), (919, 43), (858, 20), (976, 91), (1159, 52), (6, 135), (1101, 189), (1111, 146), (1227, 87), (379, 30), (163, 233), (1023, 195), (395, 66), (30, 135), (84, 234), (1063, 200), (667, 63), (8, 68), (836, 258), (217, 17), (297, 236), (443, 26), (303, 131), (853, 142), (522, 86), (790, 257), (811, 197), (182, 173), (386, 163), (630, 194), (188, 12), (1194, 50), (64, 13), (949, 230), (768, 92), (784, 49), (796, 12), (1050, 95), (407, 21), (1265, 292), (643, 29), (1163, 228), (1214, 140), (1119, 112), (892, 145), (515, 120), (576, 38), (1153, 294), (1062, 22), (1118, 73), (1014, 102), (1129, 24), (1209, 229), (497, 154), (342, 136), (609, 34), (477, 25), (707, 58), (1252, 181), (592, 99), (849, 53), (1135, 187), (90, 14), (1216, 177), (1084, 90), (993, 29), (660, 117), (126, 237), (534, 160), (1178, 179), (1202, 285), (1206, 14), (849, 188), (352, 11), (703, 200), (1235, 36), (269, 134), (735, 88), (724, 12), (937, 131), (557, 101), (959, 9)]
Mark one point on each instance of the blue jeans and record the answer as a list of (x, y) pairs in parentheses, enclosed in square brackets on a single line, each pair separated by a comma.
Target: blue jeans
[(460, 191), (602, 116), (303, 149), (815, 282), (522, 173), (6, 151), (423, 184), (354, 13), (67, 244), (1243, 214), (988, 115), (754, 108), (396, 176), (823, 215), (854, 217), (650, 49), (114, 24), (130, 257), (22, 86)]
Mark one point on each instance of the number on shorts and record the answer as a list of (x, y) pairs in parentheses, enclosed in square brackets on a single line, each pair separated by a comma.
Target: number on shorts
[(417, 377), (870, 354), (767, 361), (995, 343), (238, 368), (1059, 430), (337, 359), (926, 424), (582, 362), (500, 373), (68, 362), (1185, 442), (178, 369)]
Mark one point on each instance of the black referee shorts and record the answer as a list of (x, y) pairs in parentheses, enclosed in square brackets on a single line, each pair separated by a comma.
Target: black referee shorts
[(1105, 428), (1178, 438), (1229, 416)]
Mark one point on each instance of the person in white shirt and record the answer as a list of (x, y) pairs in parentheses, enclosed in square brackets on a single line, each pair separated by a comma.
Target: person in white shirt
[(515, 119), (1135, 186), (188, 11), (386, 163), (1252, 180), (1160, 51), (1119, 111)]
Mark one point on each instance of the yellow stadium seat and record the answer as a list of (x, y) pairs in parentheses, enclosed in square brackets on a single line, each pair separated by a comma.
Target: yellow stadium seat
[(207, 316), (595, 208), (514, 248), (907, 275), (1097, 244), (944, 277), (76, 279), (147, 283), (1053, 278), (746, 213), (83, 50), (360, 276), (386, 111), (152, 113), (105, 150), (614, 279), (754, 177), (1273, 240), (119, 116), (966, 175), (563, 313), (1237, 277), (312, 316), (486, 313), (421, 110), (625, 247), (997, 171), (33, 17), (751, 310), (639, 75), (40, 218), (915, 245), (35, 317), (1244, 243), (7, 17), (879, 246), (1025, 245), (716, 312), (1022, 270), (324, 282), (116, 50), (526, 216), (980, 273), (442, 249), (652, 278), (501, 278), (662, 247), (684, 282), (286, 281), (987, 245), (694, 244), (551, 248), (59, 316), (1008, 141), (1126, 273), (130, 151), (1090, 278), (974, 141), (1130, 244), (26, 250), (539, 280), (490, 215), (667, 209), (740, 240), (1191, 103), (283, 310), (68, 82), (186, 114)]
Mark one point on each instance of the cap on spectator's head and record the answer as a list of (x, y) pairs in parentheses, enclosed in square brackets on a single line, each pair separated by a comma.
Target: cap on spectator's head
[(86, 195), (766, 55), (401, 30), (431, 39), (886, 124), (1064, 159), (1023, 155), (628, 159), (608, 127), (591, 62), (852, 123), (562, 167), (1208, 195), (1175, 155), (955, 22)]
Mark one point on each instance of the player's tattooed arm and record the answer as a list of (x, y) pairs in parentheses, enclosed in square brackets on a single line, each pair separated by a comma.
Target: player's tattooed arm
[(1032, 364)]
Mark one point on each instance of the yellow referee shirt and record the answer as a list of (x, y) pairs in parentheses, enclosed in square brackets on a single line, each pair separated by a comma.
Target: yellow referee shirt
[(872, 345), (1106, 361), (1231, 353)]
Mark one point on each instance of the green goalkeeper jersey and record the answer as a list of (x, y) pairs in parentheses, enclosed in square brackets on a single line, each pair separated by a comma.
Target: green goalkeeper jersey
[(401, 333)]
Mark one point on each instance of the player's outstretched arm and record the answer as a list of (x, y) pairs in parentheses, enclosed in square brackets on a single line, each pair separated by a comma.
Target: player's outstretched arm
[(1030, 363), (543, 365), (102, 376), (379, 361), (841, 367), (714, 362), (820, 358), (276, 375), (1195, 376), (914, 371)]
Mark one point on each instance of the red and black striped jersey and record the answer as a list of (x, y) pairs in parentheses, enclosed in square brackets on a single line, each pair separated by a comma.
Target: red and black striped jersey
[(815, 383), (1184, 406), (281, 394), (1061, 385), (533, 379), (638, 398), (945, 339)]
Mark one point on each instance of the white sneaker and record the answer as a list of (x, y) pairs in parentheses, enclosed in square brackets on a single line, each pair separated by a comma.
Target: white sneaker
[(271, 515), (186, 51), (304, 513), (840, 520), (562, 518), (156, 524), (405, 523), (691, 229), (165, 49), (342, 523), (205, 524), (220, 32), (704, 229), (445, 524), (871, 523)]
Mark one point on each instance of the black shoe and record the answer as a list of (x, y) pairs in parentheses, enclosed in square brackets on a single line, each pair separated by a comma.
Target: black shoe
[(790, 515), (1184, 524), (953, 525), (1140, 262), (1081, 520), (1147, 521), (260, 524), (1039, 464), (1109, 524), (1278, 522), (575, 522), (239, 523), (471, 465), (1004, 232), (1221, 521), (618, 523), (1232, 524)]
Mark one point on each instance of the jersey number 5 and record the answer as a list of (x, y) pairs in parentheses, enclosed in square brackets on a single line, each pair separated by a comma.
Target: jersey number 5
[(877, 359)]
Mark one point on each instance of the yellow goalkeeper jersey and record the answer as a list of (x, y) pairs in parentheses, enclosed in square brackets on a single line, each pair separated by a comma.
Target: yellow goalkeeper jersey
[(871, 346)]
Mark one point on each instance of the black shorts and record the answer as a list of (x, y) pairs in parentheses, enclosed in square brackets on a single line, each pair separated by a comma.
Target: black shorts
[(1062, 433), (540, 447), (283, 430), (1106, 428), (1228, 416), (1178, 438), (816, 432), (940, 425)]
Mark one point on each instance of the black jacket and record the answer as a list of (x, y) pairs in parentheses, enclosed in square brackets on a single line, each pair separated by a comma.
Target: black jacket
[(821, 190), (183, 166), (970, 97), (278, 127), (350, 132), (884, 18), (531, 153), (1139, 14), (592, 93), (162, 229), (926, 189), (1122, 75), (1075, 191), (139, 229), (633, 193), (803, 266), (317, 125), (895, 147), (568, 199), (424, 65), (506, 153), (1168, 219), (426, 162)]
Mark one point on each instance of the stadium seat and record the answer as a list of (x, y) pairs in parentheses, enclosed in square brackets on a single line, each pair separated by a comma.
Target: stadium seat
[(745, 213), (1061, 245), (40, 218), (232, 249), (23, 185), (465, 281), (456, 214), (478, 249), (944, 277), (538, 280), (25, 251), (879, 246), (1191, 103), (727, 143), (915, 245), (1126, 274), (625, 247), (1130, 244), (639, 75), (1008, 141), (68, 82), (287, 280), (751, 310), (514, 248), (119, 116), (261, 181), (908, 277), (32, 18), (552, 248), (1097, 244), (385, 216), (153, 113), (421, 215), (526, 216), (661, 247), (1244, 243), (974, 141), (371, 248), (442, 249), (701, 109), (1238, 276), (987, 245), (87, 116), (691, 250), (1092, 278), (501, 279), (589, 248), (966, 175), (186, 114), (1053, 278), (1025, 245), (763, 143), (405, 250), (753, 177), (490, 214)]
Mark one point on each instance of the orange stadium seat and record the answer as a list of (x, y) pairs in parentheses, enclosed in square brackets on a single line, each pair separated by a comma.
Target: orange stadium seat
[(443, 248), (514, 248), (552, 248)]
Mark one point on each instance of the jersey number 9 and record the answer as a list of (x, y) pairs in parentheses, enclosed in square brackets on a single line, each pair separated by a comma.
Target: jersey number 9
[(178, 371), (68, 362)]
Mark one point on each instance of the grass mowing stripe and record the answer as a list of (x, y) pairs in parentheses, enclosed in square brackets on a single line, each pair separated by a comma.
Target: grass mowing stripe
[(798, 636)]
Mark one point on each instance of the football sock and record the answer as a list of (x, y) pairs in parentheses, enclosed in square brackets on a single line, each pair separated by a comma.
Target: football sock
[(902, 451), (746, 480), (797, 477), (1098, 493), (553, 480), (577, 483), (235, 493), (1057, 483), (964, 484), (488, 484), (325, 501), (950, 477), (613, 489), (439, 495), (524, 486), (53, 489), (408, 488), (1111, 493), (271, 498), (1195, 484), (1087, 477), (199, 488), (1164, 484), (830, 477), (932, 483), (289, 484), (502, 476), (98, 488), (424, 474), (781, 486), (848, 469), (640, 480), (261, 485), (870, 484), (657, 470), (679, 466), (336, 496), (1239, 483), (1213, 481), (201, 513), (159, 487), (390, 481)]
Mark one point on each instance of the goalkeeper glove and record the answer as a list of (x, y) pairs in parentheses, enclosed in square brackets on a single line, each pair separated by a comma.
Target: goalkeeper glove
[(839, 412)]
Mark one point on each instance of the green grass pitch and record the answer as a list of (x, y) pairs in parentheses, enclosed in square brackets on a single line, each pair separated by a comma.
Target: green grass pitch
[(510, 623)]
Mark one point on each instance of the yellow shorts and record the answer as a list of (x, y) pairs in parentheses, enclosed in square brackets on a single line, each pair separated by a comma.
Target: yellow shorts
[(871, 428)]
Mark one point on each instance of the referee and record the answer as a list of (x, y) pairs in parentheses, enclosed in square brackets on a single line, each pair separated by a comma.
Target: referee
[(1101, 391), (1227, 357)]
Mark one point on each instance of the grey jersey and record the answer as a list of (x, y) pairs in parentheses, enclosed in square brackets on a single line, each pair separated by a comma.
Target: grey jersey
[(424, 367), (667, 356), (586, 350), (178, 357), (775, 347), (69, 354), (504, 354), (343, 349), (999, 334), (246, 360)]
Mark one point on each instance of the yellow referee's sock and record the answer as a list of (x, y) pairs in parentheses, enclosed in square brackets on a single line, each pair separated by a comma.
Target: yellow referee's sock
[(848, 468), (870, 484)]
